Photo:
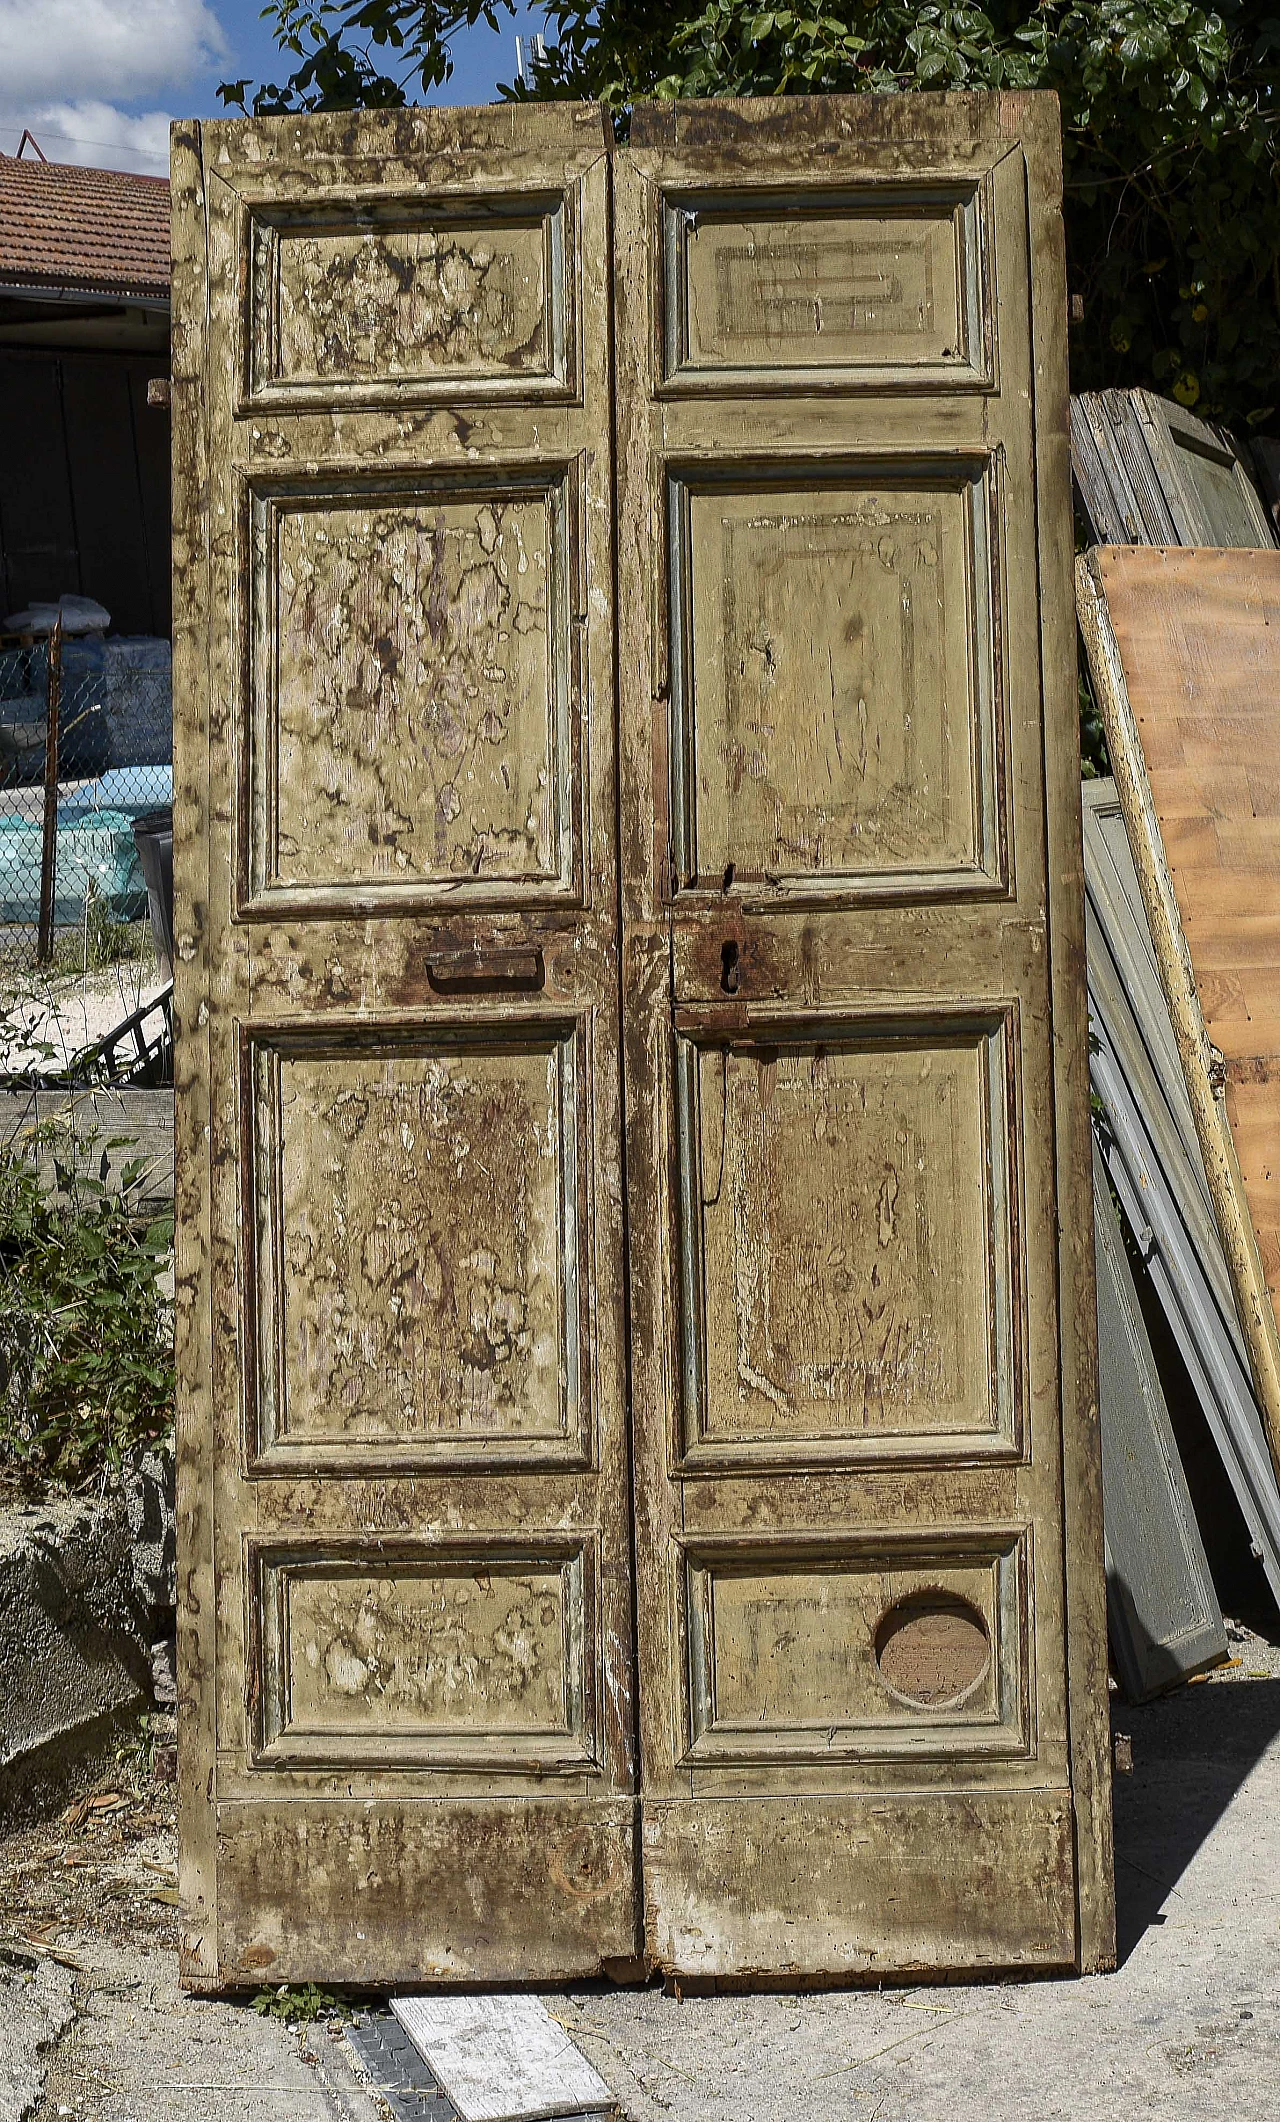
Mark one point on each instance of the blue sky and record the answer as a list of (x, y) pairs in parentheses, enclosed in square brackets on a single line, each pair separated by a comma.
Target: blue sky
[(98, 81)]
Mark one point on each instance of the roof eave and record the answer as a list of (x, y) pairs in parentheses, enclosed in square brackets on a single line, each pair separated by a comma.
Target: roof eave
[(19, 289)]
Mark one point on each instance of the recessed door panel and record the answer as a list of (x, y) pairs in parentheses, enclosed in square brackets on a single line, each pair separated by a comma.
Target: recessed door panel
[(838, 676), (803, 283), (376, 298), (425, 1657), (823, 1652), (410, 707), (847, 1243), (420, 1255)]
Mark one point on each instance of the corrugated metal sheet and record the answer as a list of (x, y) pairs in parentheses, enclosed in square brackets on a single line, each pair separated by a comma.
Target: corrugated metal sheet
[(1164, 1618), (1152, 1154)]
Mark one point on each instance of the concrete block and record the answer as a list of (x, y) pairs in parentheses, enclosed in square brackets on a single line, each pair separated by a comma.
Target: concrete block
[(74, 1641), (36, 2007)]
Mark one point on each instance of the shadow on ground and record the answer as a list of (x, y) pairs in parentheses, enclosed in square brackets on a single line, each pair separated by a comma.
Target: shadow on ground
[(1192, 1752)]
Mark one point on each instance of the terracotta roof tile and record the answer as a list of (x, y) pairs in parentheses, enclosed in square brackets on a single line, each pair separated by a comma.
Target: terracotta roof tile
[(98, 229)]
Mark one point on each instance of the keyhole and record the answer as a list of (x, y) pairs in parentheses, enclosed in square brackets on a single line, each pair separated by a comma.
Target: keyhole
[(730, 971)]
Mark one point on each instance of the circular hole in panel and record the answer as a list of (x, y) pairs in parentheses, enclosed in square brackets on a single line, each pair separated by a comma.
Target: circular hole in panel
[(932, 1649)]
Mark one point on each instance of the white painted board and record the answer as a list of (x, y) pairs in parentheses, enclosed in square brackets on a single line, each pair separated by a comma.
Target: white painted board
[(502, 2058)]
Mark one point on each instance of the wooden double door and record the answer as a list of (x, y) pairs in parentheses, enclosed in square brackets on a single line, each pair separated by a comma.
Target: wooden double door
[(639, 1486)]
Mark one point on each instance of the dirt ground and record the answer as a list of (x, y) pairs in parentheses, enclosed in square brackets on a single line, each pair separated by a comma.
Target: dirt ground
[(106, 1866)]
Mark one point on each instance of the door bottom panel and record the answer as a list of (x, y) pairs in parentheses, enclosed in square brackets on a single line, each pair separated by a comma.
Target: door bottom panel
[(429, 1890), (859, 1887)]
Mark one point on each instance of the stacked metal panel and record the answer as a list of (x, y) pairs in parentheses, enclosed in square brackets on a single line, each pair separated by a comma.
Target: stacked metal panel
[(1152, 1156)]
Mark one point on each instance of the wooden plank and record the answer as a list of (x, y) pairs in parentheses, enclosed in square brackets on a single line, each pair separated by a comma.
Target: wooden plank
[(834, 973), (1115, 517), (192, 852), (1180, 641), (1152, 1154), (96, 1133), (502, 2059), (1165, 1622)]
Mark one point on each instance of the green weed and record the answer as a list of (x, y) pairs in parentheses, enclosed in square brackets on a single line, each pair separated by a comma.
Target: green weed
[(297, 2005), (86, 1327)]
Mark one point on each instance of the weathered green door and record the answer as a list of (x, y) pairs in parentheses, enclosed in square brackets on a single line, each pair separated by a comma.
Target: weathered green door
[(808, 750), (407, 1744), (871, 1636)]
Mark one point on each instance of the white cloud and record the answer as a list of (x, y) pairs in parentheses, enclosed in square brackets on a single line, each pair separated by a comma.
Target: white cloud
[(65, 51), (90, 132)]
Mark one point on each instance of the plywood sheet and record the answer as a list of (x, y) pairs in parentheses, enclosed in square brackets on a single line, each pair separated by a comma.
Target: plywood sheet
[(502, 2059), (1184, 646)]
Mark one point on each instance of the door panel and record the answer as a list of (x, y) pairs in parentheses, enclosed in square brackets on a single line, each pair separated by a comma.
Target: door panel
[(405, 1470), (845, 1286), (861, 1348), (835, 697)]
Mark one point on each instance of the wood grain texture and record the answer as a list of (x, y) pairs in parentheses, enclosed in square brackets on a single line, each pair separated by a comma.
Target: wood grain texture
[(857, 1115), (897, 1884), (1182, 649), (402, 1892), (1151, 473), (1087, 1676), (406, 1528), (80, 1128)]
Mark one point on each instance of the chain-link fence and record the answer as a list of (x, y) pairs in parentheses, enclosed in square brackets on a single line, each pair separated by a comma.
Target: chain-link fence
[(86, 751)]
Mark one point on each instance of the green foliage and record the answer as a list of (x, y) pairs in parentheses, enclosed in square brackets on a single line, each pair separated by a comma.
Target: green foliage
[(297, 2005), (1170, 115), (1095, 760), (360, 54), (86, 1331)]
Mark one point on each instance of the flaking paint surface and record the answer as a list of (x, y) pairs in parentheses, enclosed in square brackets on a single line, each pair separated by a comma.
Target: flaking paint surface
[(415, 725), (422, 1220), (847, 1240), (411, 301)]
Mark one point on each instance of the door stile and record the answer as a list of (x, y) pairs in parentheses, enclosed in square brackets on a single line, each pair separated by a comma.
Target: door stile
[(1085, 1586), (193, 1313)]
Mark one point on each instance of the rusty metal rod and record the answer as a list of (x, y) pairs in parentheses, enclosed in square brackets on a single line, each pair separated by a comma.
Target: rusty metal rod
[(49, 842)]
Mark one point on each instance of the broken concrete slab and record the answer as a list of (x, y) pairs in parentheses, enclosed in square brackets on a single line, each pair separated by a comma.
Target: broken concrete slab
[(35, 2009), (75, 1655), (139, 2049)]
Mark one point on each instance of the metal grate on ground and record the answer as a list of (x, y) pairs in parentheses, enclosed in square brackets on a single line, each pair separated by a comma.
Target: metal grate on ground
[(69, 831), (396, 2070)]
